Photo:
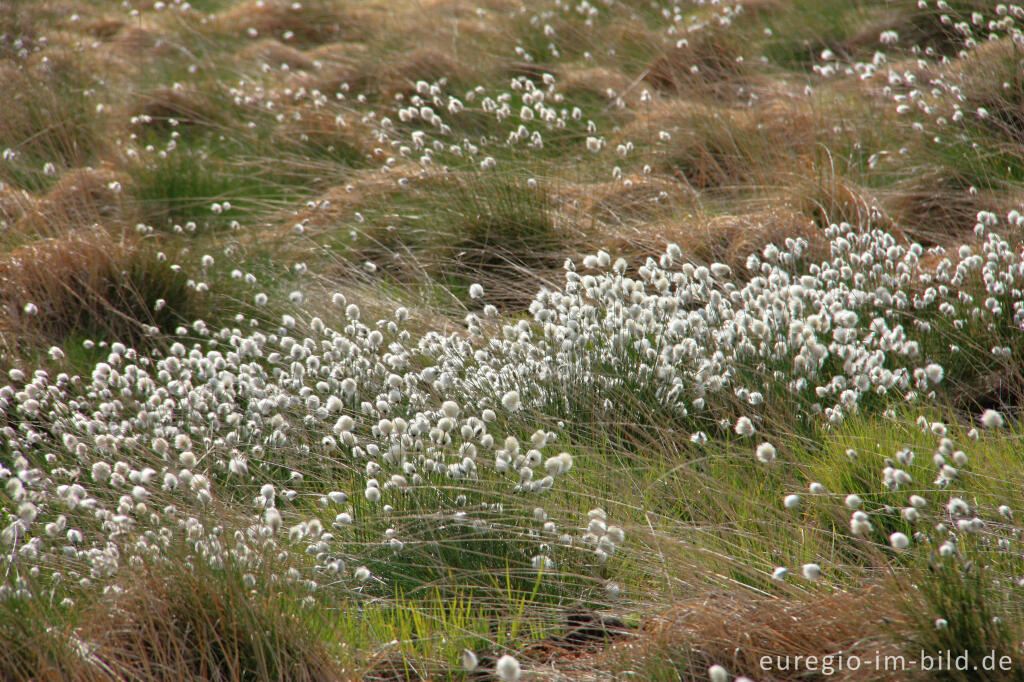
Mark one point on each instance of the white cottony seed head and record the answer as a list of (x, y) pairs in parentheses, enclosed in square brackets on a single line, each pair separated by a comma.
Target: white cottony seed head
[(745, 427), (765, 453), (812, 571), (991, 419), (507, 669), (899, 541), (510, 401)]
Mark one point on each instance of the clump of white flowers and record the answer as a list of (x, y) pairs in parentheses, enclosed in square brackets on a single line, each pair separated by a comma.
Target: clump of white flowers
[(112, 467), (834, 334), (137, 452)]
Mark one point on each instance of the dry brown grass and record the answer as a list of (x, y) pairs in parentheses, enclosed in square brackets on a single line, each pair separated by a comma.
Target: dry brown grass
[(934, 206), (39, 23), (735, 630), (275, 54), (33, 651), (826, 198), (337, 204), (707, 62), (14, 204), (730, 239), (723, 148), (341, 71), (583, 81), (45, 115), (311, 125), (164, 108), (84, 283), (635, 199), (353, 69), (140, 40), (725, 239), (991, 79), (453, 25), (103, 28), (459, 227), (81, 198), (308, 23), (191, 623), (400, 73)]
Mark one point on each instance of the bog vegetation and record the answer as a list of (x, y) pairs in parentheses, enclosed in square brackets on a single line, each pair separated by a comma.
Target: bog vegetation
[(529, 340)]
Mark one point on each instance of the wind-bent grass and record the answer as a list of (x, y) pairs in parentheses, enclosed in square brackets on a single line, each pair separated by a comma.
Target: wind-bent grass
[(321, 363)]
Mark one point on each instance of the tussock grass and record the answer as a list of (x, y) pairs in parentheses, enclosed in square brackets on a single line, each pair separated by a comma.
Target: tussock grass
[(308, 23), (38, 642), (683, 641), (85, 284), (214, 213), (704, 61), (47, 120), (501, 230), (194, 622), (82, 198), (959, 608)]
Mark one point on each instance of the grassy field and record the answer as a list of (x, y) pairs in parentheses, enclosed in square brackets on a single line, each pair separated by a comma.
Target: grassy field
[(493, 339)]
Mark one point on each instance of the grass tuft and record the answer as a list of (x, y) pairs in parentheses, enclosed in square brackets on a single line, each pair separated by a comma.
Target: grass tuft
[(87, 285)]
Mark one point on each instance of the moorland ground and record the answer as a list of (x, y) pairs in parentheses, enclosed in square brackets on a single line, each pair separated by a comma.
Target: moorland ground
[(347, 339)]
